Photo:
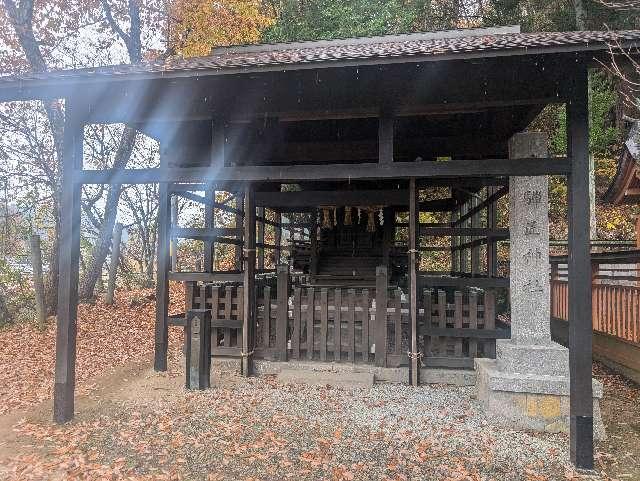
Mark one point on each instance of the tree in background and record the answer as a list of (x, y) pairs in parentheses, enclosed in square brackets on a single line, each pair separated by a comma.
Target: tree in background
[(196, 26)]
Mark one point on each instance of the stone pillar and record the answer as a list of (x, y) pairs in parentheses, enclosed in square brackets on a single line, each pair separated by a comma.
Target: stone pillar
[(198, 348), (529, 250), (527, 385)]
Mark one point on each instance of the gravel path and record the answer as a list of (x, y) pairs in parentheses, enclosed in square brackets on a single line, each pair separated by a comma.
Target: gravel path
[(257, 429)]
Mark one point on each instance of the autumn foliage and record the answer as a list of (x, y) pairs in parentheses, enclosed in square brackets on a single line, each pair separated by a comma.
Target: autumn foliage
[(200, 25)]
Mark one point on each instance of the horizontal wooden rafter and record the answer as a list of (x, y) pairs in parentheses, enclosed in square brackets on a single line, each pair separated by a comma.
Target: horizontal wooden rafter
[(483, 205), (294, 173), (208, 233), (427, 281), (464, 231), (205, 276)]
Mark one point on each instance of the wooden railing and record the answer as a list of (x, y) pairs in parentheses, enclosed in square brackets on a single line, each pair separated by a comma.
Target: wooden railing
[(615, 293), (456, 323)]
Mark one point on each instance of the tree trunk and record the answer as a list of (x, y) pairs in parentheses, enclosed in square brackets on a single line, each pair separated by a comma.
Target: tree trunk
[(100, 251), (581, 14)]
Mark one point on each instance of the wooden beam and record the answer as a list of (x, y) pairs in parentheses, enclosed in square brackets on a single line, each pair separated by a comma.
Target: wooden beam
[(295, 173), (249, 257), (206, 276), (162, 280), (209, 242), (580, 326), (238, 219), (492, 223), (464, 282), (465, 231), (68, 269), (207, 233), (278, 237), (487, 202), (260, 242), (414, 356), (173, 246), (315, 198), (207, 202)]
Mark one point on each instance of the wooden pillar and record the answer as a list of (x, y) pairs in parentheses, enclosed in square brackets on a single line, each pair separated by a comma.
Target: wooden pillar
[(174, 241), (455, 258), (475, 250), (414, 212), (381, 316), (282, 271), (38, 280), (638, 231), (580, 325), (249, 321), (278, 238), (313, 238), (388, 233), (238, 222), (210, 194), (115, 261), (261, 214), (162, 279), (68, 264), (492, 245)]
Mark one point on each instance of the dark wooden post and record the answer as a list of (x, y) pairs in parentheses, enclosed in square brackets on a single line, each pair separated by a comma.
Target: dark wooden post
[(282, 312), (414, 360), (248, 325), (174, 241), (38, 280), (261, 214), (388, 232), (68, 264), (475, 250), (278, 238), (198, 348), (162, 279), (455, 258), (580, 325), (237, 217), (313, 238), (113, 266), (492, 246), (381, 315), (210, 194)]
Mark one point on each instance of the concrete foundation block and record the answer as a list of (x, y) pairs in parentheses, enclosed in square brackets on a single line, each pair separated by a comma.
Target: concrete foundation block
[(546, 360), (538, 403)]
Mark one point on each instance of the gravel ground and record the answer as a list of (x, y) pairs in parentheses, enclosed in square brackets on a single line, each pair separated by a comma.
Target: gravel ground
[(260, 430)]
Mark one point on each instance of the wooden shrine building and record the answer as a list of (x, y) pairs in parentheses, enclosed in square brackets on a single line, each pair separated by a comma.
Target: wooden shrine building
[(342, 147), (625, 186)]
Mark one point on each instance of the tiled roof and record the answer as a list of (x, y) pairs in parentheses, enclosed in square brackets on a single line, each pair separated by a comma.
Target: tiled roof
[(290, 56)]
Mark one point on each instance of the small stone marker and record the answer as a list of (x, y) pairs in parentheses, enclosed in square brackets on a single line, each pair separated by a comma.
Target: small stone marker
[(198, 349)]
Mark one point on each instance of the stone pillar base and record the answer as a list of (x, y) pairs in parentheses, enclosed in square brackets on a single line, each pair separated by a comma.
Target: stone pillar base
[(530, 401)]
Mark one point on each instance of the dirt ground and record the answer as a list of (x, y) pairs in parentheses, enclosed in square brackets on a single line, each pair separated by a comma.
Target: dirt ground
[(134, 424), (140, 425)]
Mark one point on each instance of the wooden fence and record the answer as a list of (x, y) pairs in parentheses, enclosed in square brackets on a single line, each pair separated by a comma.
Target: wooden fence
[(352, 325), (615, 293)]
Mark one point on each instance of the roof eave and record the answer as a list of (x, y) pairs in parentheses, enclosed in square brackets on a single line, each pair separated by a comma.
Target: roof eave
[(22, 89)]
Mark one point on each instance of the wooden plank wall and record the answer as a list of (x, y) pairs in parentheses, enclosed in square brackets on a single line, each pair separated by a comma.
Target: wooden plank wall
[(615, 311), (332, 325)]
